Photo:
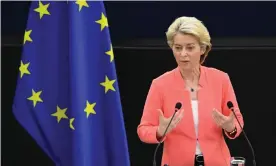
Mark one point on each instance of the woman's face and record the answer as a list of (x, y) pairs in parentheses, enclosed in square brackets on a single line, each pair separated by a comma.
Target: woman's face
[(187, 51)]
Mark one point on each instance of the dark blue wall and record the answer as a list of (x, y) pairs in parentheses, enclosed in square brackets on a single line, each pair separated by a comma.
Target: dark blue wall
[(222, 18), (151, 19)]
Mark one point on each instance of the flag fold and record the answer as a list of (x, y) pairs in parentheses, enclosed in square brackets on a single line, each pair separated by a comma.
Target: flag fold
[(67, 95)]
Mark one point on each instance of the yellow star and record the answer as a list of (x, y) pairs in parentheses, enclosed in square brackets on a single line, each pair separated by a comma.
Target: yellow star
[(82, 3), (35, 97), (24, 69), (71, 123), (89, 108), (110, 53), (108, 84), (60, 114), (103, 22), (27, 36), (42, 9)]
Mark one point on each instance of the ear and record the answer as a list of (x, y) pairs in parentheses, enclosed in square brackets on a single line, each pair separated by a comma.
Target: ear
[(171, 46), (203, 49)]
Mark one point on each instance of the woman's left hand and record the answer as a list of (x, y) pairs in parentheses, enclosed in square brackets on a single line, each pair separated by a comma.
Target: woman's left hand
[(225, 122)]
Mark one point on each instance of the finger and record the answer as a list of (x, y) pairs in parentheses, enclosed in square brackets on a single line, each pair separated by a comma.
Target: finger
[(217, 119), (177, 119), (219, 115), (232, 116), (179, 116), (215, 112), (172, 125), (215, 115), (182, 113), (174, 117), (175, 123), (176, 113), (161, 114), (214, 118)]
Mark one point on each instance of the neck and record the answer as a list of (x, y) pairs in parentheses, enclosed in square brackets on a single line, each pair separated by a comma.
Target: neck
[(191, 75)]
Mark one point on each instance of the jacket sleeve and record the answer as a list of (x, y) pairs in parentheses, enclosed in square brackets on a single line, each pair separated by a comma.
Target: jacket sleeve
[(150, 118), (229, 95)]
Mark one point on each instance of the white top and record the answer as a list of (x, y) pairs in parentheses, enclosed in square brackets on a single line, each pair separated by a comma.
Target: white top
[(195, 115)]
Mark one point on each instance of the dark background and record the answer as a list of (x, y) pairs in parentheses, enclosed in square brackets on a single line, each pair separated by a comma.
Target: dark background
[(151, 19), (244, 40)]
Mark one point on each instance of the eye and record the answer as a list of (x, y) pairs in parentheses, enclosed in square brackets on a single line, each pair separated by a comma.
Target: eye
[(178, 48), (190, 47)]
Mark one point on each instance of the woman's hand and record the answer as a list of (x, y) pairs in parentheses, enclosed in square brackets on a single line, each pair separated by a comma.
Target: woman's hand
[(225, 122), (163, 122)]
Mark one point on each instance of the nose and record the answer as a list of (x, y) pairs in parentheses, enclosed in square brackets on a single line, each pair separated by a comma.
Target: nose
[(183, 53)]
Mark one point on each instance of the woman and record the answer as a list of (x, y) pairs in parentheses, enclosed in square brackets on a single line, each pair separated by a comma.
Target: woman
[(195, 136)]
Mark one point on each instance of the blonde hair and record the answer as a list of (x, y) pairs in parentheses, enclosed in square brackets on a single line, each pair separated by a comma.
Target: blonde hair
[(191, 26)]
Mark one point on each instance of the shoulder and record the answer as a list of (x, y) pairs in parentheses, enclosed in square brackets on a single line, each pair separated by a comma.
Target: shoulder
[(216, 76), (164, 78), (215, 73)]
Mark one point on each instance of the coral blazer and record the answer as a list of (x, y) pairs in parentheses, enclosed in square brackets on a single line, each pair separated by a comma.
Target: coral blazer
[(180, 144)]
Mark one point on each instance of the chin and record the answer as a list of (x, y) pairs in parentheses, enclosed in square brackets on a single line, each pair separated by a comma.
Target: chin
[(185, 67)]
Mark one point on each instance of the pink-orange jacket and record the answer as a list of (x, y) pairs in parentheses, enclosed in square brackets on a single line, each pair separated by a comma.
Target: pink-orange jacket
[(180, 144)]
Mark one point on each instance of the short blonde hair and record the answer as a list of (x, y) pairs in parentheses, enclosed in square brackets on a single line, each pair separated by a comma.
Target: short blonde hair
[(191, 26)]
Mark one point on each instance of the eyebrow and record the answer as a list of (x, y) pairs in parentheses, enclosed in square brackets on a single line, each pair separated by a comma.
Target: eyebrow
[(186, 44)]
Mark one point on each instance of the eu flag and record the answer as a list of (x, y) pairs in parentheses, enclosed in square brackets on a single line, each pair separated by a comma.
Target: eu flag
[(67, 94)]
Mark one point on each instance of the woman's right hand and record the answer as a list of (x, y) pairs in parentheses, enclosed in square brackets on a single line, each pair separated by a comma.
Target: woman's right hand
[(163, 122)]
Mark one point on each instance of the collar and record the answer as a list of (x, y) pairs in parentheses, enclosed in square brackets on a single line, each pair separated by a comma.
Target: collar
[(202, 77)]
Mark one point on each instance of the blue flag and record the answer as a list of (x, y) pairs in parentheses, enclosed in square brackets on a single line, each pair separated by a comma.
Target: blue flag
[(67, 94)]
